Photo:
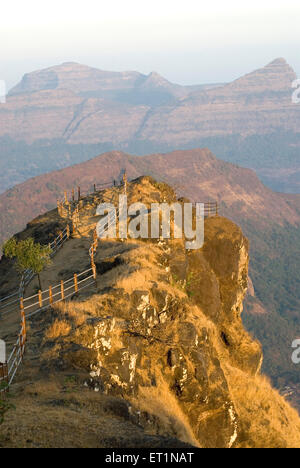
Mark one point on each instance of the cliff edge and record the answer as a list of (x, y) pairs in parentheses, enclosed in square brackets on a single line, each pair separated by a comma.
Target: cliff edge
[(154, 354)]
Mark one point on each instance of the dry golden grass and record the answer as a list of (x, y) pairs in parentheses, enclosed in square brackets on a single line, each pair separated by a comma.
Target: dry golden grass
[(160, 401), (142, 270), (137, 280), (51, 353), (60, 415), (42, 388), (58, 329), (72, 312), (268, 421)]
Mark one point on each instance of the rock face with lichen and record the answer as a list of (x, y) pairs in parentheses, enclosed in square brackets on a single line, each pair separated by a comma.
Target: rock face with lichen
[(162, 332), (158, 335)]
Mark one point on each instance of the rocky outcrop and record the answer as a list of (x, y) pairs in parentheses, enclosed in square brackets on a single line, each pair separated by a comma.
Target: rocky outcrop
[(159, 340), (169, 341)]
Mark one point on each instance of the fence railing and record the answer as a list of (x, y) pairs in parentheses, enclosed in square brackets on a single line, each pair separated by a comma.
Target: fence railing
[(68, 207), (59, 241), (97, 235), (35, 304), (60, 292), (79, 192), (8, 303), (16, 356), (32, 305), (211, 209)]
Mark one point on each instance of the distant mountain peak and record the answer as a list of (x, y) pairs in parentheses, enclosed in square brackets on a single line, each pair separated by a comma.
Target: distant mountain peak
[(155, 79), (279, 61), (75, 77), (71, 64), (276, 76), (156, 76), (280, 65)]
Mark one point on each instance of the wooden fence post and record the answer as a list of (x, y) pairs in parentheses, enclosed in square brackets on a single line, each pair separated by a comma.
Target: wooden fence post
[(23, 328), (75, 282), (21, 343), (78, 193), (125, 183), (62, 289), (94, 270), (21, 305), (40, 299), (50, 295), (4, 375)]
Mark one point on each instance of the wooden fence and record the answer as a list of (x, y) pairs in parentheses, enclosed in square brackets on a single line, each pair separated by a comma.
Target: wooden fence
[(97, 235), (15, 302), (30, 306), (60, 292), (211, 209), (16, 356), (8, 304), (68, 207)]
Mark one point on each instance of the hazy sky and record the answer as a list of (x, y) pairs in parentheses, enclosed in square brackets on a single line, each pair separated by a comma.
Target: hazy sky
[(191, 41)]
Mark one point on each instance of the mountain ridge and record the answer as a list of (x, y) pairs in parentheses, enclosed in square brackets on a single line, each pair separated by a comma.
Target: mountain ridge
[(251, 121)]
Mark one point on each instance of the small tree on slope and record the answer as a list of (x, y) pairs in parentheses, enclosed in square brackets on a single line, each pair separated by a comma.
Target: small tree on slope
[(29, 255)]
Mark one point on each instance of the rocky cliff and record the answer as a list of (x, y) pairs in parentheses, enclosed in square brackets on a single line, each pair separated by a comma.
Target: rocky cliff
[(158, 343)]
